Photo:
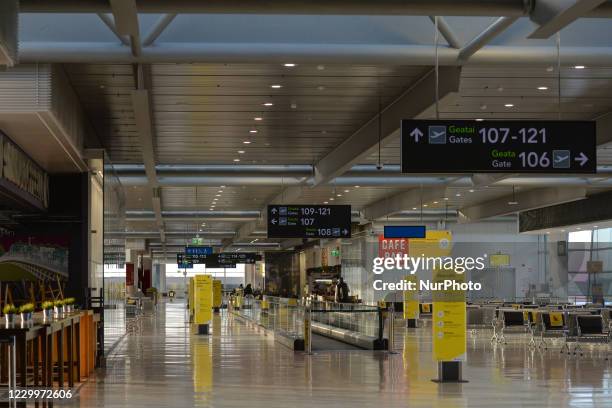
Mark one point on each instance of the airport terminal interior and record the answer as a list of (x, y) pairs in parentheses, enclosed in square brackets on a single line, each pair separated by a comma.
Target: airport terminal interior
[(292, 203)]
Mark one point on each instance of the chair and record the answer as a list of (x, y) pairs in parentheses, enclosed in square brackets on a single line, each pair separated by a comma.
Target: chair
[(591, 329), (552, 324), (511, 319)]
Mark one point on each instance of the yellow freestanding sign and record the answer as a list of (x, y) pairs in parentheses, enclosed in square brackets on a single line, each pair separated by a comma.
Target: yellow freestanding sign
[(203, 298), (217, 294), (449, 313), (449, 319), (411, 299)]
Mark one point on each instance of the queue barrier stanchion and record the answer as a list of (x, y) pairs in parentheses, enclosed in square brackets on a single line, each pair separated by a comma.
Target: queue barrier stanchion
[(391, 345), (308, 330)]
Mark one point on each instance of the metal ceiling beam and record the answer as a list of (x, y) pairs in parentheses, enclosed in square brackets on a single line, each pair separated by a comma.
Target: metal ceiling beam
[(143, 119), (155, 234), (483, 180), (553, 15), (482, 39), (446, 31), (108, 21), (400, 54), (403, 202), (527, 200), (342, 7), (125, 13), (194, 215), (413, 103), (158, 28)]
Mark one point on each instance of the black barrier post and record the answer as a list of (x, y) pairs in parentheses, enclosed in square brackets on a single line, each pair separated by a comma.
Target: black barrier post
[(380, 325), (411, 323)]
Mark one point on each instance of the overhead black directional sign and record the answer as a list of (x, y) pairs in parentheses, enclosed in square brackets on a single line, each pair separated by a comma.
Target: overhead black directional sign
[(468, 146), (309, 221)]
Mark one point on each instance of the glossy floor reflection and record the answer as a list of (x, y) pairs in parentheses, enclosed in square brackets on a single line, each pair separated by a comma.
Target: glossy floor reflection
[(166, 365)]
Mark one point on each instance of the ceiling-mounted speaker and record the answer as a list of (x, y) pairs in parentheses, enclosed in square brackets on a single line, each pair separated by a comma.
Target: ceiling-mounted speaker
[(9, 29)]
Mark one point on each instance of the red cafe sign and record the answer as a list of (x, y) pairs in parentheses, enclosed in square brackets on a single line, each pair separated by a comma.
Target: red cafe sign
[(389, 247)]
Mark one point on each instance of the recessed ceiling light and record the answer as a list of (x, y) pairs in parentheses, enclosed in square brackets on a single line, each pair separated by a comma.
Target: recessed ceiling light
[(424, 205), (550, 69), (338, 195), (289, 64), (509, 105), (325, 202), (247, 142), (236, 160), (500, 88), (483, 106), (471, 190), (210, 209), (579, 67), (414, 208), (548, 232), (542, 88), (479, 119), (346, 191), (435, 202), (332, 199), (595, 226), (458, 195), (321, 88), (221, 186), (357, 186), (258, 118), (217, 195), (253, 131), (512, 202), (562, 230), (268, 104), (219, 191), (445, 198), (320, 67), (276, 86), (240, 151)]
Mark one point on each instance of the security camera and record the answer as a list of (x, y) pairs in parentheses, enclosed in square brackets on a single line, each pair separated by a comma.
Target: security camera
[(379, 166)]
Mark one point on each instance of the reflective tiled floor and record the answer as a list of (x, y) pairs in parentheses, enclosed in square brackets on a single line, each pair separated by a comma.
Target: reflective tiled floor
[(166, 365)]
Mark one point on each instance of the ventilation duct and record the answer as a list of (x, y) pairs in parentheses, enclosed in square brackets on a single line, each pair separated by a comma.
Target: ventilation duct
[(41, 113)]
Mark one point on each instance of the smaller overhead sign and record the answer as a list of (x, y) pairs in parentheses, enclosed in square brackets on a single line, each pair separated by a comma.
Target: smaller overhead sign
[(404, 231), (197, 241), (198, 250), (183, 262), (309, 221)]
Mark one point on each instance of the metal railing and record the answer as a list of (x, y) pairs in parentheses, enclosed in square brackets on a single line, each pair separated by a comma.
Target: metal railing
[(289, 317)]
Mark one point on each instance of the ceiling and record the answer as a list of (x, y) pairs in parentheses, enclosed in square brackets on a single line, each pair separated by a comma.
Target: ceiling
[(234, 114)]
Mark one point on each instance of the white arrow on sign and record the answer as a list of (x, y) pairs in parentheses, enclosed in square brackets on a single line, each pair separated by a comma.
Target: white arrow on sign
[(273, 221), (581, 159), (345, 232), (417, 134), (274, 211)]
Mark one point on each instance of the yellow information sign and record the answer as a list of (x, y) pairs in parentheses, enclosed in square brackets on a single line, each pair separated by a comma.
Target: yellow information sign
[(411, 299), (217, 293), (449, 307), (435, 243), (203, 298), (499, 260), (449, 319)]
